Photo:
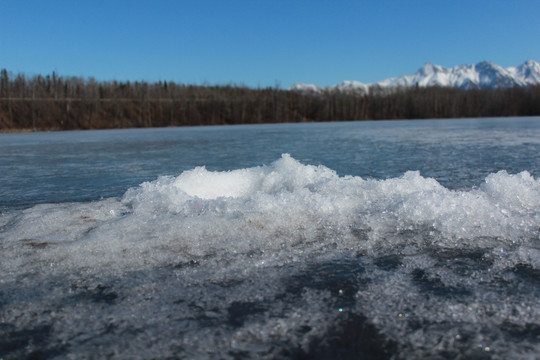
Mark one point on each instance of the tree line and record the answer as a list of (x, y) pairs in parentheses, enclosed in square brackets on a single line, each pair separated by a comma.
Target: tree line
[(54, 102)]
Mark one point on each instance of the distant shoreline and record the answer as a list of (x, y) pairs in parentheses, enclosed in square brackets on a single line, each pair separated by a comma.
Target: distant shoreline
[(24, 131), (57, 103)]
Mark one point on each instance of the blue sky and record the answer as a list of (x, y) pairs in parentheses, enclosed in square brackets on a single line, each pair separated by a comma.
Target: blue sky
[(262, 43)]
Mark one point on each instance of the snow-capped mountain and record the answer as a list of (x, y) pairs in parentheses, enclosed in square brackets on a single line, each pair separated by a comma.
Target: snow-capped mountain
[(351, 85), (484, 75)]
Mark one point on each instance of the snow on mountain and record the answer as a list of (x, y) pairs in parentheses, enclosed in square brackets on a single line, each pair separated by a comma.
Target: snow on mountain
[(484, 75), (306, 88), (428, 75), (350, 86), (346, 86), (528, 72)]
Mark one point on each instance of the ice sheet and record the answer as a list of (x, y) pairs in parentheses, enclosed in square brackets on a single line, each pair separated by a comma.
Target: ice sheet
[(208, 263)]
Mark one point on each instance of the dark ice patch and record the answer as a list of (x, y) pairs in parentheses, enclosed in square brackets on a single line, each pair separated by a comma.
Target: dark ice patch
[(389, 262), (529, 332), (354, 337), (27, 343), (343, 279), (432, 284), (99, 294), (527, 273), (239, 312)]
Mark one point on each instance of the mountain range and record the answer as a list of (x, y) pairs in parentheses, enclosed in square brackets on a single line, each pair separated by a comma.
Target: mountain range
[(484, 75)]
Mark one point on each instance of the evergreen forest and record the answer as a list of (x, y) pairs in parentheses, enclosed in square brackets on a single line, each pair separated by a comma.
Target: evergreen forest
[(54, 102)]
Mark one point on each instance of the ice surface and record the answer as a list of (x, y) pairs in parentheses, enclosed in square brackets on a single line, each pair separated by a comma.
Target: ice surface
[(276, 261)]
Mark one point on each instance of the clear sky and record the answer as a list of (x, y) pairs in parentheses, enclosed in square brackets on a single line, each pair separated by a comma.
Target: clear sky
[(262, 43)]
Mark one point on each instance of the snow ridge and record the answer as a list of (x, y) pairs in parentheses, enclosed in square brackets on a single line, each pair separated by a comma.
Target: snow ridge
[(483, 75)]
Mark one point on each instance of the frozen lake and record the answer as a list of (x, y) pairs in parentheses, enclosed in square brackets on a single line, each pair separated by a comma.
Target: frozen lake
[(371, 240)]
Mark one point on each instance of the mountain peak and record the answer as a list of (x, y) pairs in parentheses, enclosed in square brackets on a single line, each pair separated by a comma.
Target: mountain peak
[(483, 75), (350, 85), (487, 66), (306, 88), (528, 72), (531, 63), (428, 68)]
